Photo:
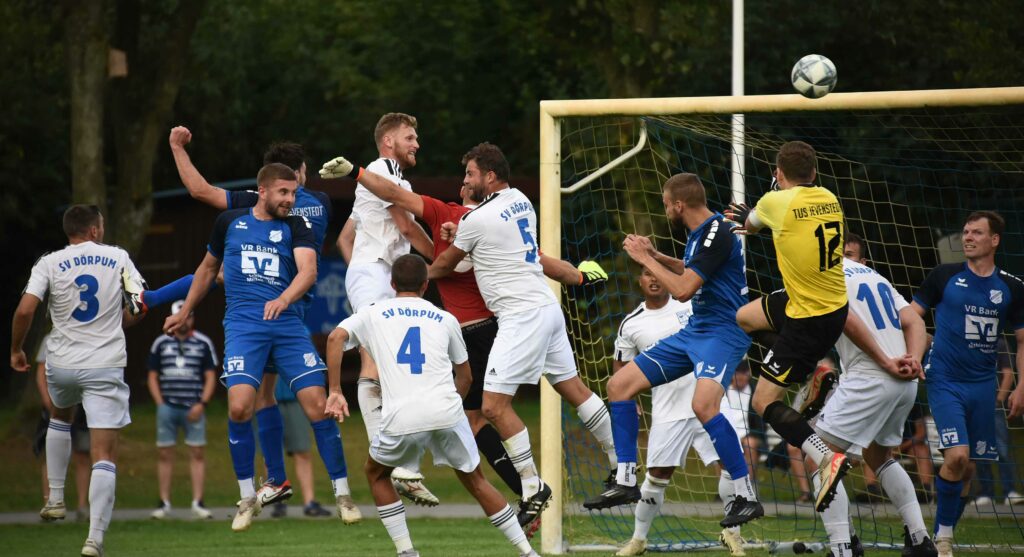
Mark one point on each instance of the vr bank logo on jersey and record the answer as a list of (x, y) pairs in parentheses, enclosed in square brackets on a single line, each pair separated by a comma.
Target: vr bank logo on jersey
[(260, 263), (234, 363), (981, 328)]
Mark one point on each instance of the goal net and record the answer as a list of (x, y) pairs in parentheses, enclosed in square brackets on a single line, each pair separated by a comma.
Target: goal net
[(907, 167)]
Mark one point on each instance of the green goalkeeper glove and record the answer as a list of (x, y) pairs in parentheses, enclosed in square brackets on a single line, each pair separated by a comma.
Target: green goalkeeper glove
[(591, 273), (339, 167)]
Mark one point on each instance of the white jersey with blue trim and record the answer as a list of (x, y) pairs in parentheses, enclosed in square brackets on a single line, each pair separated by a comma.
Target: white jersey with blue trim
[(414, 344), (501, 235), (84, 284), (642, 329), (377, 235), (873, 299)]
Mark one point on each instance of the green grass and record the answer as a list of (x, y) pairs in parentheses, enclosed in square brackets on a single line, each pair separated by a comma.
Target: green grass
[(136, 465)]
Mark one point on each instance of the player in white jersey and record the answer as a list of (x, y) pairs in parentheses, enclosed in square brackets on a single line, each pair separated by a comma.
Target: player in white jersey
[(415, 345), (380, 232), (880, 352), (531, 341), (674, 426), (86, 356)]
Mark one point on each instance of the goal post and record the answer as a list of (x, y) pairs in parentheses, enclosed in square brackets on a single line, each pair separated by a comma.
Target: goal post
[(684, 126)]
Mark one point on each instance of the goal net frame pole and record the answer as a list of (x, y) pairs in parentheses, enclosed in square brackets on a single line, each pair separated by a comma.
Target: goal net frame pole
[(551, 203)]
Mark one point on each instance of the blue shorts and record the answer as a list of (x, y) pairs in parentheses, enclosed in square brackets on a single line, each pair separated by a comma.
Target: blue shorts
[(284, 342), (170, 419), (963, 415), (705, 353)]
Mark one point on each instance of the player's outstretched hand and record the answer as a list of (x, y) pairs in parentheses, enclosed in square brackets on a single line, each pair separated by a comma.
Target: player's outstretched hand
[(180, 136), (591, 273), (19, 362), (337, 407), (737, 214), (448, 231), (338, 167), (273, 308)]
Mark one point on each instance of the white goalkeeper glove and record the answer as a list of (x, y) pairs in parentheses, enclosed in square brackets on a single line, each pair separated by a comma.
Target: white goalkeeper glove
[(339, 167)]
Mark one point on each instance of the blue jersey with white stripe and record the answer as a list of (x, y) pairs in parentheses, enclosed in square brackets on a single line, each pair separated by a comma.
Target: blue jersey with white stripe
[(259, 261), (716, 254), (970, 312)]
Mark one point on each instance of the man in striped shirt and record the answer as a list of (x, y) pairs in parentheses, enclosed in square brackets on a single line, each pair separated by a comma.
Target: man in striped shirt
[(182, 372)]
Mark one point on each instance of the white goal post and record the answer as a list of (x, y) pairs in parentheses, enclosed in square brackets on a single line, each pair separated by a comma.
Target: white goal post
[(551, 444)]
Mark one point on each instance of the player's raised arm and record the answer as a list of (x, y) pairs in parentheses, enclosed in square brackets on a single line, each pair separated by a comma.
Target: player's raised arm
[(588, 272), (681, 286), (194, 182), (378, 185), (445, 263)]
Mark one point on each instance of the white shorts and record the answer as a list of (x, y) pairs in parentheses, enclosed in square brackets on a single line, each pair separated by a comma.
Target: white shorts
[(528, 344), (865, 408), (668, 443), (102, 392), (454, 447), (366, 283)]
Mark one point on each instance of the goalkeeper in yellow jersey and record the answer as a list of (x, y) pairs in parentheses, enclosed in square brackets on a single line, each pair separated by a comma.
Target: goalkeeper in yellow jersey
[(807, 228)]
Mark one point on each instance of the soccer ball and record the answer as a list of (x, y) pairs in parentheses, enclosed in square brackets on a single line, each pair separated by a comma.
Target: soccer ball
[(814, 76)]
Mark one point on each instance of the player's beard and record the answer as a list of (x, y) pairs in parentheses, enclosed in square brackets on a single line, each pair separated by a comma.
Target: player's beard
[(279, 210), (677, 224), (406, 159), (476, 195)]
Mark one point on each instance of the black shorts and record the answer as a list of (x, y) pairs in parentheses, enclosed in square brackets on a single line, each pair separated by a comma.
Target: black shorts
[(801, 342), (479, 339)]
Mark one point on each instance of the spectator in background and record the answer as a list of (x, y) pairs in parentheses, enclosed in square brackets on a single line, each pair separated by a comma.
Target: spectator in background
[(79, 438), (182, 373), (297, 444), (1007, 467)]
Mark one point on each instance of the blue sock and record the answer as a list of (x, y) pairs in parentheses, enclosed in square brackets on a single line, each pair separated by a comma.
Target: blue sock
[(271, 430), (242, 444), (328, 442), (625, 429), (727, 445), (947, 501), (168, 293)]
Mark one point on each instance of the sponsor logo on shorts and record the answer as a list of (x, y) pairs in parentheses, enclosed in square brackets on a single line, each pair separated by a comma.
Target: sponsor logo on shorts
[(979, 447), (275, 235), (949, 437), (309, 358), (235, 363)]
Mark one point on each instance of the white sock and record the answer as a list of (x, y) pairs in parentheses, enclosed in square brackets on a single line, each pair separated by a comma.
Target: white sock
[(625, 473), (393, 517), (652, 495), (505, 520), (594, 415), (900, 489), (370, 404), (341, 487), (744, 488), (58, 454), (836, 519), (726, 490), (816, 449), (101, 498), (945, 531), (518, 448), (247, 488)]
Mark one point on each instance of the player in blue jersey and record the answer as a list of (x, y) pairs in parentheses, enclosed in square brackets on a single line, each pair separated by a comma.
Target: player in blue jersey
[(270, 263), (973, 302), (316, 208), (712, 275)]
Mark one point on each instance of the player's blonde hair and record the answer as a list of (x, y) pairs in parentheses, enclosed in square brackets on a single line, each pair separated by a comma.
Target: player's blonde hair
[(390, 122), (686, 188)]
